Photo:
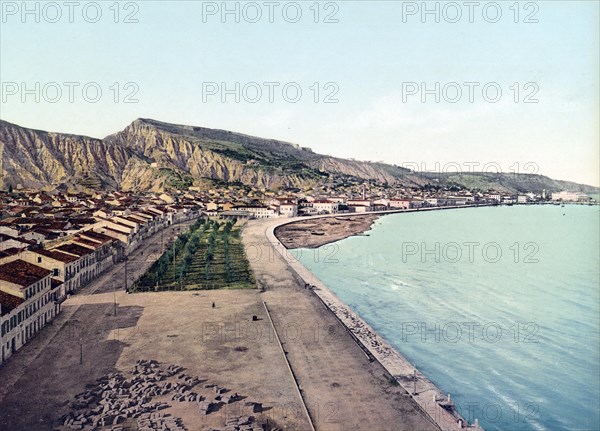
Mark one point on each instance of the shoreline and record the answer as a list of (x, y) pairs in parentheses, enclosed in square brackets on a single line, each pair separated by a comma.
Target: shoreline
[(371, 217), (431, 400), (339, 382), (317, 233)]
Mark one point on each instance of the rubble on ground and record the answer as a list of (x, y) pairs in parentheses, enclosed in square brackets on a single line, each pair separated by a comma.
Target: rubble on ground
[(115, 398)]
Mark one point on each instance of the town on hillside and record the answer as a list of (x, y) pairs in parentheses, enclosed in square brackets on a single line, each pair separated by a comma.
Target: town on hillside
[(54, 243)]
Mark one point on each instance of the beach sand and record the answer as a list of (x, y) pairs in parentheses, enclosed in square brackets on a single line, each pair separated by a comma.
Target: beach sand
[(316, 232)]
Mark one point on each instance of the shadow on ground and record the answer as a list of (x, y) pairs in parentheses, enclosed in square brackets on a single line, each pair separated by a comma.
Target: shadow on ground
[(77, 355)]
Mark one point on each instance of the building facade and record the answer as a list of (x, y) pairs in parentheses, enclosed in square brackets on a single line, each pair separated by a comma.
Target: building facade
[(27, 304)]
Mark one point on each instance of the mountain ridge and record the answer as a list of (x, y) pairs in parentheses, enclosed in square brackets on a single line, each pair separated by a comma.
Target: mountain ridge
[(151, 155)]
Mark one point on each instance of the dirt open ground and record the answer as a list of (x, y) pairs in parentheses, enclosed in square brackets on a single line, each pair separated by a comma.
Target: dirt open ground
[(341, 388)]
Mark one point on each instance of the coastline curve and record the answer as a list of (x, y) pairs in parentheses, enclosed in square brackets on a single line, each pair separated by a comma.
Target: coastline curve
[(428, 397)]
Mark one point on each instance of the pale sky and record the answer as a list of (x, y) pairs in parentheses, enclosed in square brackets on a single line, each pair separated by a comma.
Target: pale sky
[(373, 63)]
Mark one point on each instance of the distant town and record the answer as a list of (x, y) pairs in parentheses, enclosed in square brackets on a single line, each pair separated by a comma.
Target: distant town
[(54, 243)]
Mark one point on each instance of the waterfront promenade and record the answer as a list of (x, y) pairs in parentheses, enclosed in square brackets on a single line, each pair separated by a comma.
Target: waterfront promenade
[(435, 404), (342, 387)]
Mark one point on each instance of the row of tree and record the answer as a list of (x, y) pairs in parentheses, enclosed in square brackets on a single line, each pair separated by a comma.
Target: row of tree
[(209, 255), (158, 272)]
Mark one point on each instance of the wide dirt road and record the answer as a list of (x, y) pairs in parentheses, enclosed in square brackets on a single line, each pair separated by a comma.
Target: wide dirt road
[(342, 389)]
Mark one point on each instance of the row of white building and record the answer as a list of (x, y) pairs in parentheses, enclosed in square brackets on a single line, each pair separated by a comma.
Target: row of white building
[(287, 207), (333, 205), (567, 196)]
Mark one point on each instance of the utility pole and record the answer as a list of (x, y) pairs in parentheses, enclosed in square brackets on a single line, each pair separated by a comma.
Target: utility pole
[(415, 382), (173, 244)]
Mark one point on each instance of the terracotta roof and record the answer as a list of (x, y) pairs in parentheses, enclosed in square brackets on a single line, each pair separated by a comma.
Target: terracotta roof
[(4, 237), (56, 255), (22, 273), (10, 251), (148, 213), (110, 229), (116, 223), (8, 302), (73, 249), (97, 236), (87, 243), (131, 219)]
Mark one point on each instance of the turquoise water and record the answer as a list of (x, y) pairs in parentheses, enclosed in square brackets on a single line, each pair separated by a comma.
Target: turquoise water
[(511, 332)]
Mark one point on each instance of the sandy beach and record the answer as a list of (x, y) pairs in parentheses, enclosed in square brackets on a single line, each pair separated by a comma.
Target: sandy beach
[(316, 232)]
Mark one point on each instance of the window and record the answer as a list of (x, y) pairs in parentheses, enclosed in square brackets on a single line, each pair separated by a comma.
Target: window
[(55, 272), (39, 259)]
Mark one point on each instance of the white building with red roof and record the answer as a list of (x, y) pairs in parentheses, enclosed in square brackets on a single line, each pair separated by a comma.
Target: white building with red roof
[(27, 304)]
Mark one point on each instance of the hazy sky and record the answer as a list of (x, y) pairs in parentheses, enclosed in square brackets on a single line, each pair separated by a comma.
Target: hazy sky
[(173, 60)]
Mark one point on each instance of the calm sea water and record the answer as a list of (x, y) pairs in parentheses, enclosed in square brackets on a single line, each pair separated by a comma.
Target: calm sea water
[(499, 306)]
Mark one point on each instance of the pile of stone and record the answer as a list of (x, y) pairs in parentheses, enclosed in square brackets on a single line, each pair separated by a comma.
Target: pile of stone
[(256, 407), (114, 399), (159, 421), (242, 423), (228, 399), (206, 407), (186, 395), (77, 423)]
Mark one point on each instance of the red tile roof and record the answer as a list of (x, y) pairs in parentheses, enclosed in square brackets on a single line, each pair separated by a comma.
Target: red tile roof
[(4, 237), (22, 273), (10, 251), (97, 236), (56, 255), (8, 303), (87, 243), (74, 249)]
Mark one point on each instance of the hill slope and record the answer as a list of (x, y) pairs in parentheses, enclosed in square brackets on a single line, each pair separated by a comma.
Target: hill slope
[(152, 155)]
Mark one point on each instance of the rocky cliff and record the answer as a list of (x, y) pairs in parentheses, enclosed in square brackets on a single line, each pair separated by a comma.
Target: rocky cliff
[(152, 155)]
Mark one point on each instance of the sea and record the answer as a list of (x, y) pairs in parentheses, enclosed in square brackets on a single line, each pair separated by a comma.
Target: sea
[(498, 306)]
